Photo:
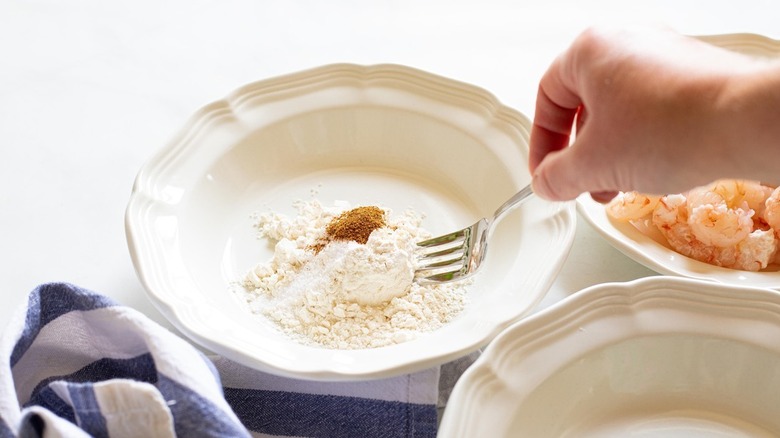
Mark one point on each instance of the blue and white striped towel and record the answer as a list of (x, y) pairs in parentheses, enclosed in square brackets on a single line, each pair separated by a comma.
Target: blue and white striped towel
[(75, 363)]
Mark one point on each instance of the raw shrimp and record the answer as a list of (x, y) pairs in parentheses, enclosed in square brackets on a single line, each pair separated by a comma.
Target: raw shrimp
[(729, 223), (671, 218), (631, 206), (754, 252), (771, 213), (735, 192), (719, 214)]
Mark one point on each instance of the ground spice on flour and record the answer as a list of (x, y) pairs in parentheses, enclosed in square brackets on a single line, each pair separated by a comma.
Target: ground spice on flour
[(356, 224), (353, 289)]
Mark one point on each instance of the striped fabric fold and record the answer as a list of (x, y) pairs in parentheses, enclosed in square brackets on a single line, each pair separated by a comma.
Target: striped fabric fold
[(75, 363)]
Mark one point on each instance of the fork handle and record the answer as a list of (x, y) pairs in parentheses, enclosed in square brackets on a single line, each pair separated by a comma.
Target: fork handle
[(514, 201)]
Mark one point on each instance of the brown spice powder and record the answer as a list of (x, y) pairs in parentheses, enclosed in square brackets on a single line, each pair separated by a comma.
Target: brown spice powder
[(356, 224)]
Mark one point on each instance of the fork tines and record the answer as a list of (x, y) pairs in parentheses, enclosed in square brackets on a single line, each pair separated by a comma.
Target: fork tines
[(441, 258)]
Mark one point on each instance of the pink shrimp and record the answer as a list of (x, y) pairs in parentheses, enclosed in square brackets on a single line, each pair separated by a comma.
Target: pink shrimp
[(632, 206), (729, 223), (715, 219), (671, 218), (756, 252), (771, 213), (737, 192), (752, 253)]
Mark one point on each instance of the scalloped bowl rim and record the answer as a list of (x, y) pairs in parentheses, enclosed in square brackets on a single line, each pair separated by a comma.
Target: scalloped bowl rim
[(314, 363), (601, 316)]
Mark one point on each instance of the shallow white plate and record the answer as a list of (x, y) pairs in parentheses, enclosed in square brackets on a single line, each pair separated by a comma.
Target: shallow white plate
[(656, 357), (653, 251), (384, 135)]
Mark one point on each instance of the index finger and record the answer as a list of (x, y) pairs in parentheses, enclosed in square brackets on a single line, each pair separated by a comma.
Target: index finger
[(557, 104)]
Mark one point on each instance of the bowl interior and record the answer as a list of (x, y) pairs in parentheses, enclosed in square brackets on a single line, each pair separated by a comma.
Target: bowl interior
[(662, 385), (363, 155), (656, 357)]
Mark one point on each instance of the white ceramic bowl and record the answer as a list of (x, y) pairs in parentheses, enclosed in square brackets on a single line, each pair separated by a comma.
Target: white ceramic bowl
[(657, 357), (652, 250), (387, 135)]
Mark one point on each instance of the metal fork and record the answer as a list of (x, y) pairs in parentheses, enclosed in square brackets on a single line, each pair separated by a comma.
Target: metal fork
[(458, 255)]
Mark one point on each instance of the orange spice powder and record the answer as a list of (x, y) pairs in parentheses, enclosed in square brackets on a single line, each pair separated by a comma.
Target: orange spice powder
[(356, 224)]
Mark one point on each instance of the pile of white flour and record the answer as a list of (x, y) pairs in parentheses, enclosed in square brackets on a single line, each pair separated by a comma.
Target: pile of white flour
[(348, 295)]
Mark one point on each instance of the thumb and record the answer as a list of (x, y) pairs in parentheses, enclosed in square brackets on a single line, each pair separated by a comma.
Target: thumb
[(556, 177), (565, 174)]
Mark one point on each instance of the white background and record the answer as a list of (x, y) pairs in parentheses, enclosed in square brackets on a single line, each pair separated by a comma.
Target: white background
[(90, 89)]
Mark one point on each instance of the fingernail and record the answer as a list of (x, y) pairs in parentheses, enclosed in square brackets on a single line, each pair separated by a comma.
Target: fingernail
[(603, 197)]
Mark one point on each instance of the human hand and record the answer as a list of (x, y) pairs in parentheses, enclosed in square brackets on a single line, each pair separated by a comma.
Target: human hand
[(656, 112)]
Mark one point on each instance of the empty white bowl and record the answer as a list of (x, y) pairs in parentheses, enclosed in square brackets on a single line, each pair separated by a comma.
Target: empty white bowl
[(384, 135), (657, 357)]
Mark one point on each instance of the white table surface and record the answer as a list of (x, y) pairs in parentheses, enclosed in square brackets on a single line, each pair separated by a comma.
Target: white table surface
[(90, 89)]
